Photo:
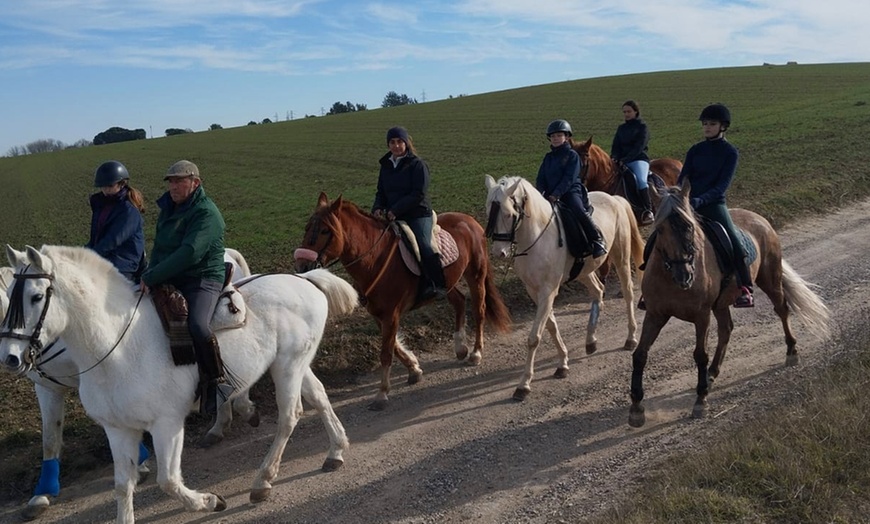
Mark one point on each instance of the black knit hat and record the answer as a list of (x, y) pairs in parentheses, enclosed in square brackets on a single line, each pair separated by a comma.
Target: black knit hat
[(398, 132)]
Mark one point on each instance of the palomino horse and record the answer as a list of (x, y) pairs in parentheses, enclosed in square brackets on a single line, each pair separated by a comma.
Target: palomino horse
[(683, 280), (369, 251), (54, 374), (600, 173), (130, 383), (526, 226)]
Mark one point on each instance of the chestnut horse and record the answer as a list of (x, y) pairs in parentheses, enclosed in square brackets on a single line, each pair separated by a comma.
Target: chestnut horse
[(600, 173), (366, 246), (683, 280)]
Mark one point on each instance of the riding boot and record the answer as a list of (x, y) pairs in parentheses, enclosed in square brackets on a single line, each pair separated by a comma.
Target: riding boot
[(646, 215), (211, 375), (593, 234), (433, 284), (744, 280)]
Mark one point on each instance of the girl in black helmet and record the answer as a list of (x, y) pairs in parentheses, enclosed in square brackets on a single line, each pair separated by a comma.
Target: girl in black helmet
[(559, 180), (710, 166), (117, 223)]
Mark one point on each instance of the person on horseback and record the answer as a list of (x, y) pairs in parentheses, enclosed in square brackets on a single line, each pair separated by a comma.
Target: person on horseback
[(629, 149), (189, 254), (559, 180), (116, 221), (710, 167), (403, 194)]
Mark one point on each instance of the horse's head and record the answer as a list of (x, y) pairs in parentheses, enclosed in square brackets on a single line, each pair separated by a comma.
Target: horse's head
[(27, 323), (505, 201), (323, 240), (675, 227)]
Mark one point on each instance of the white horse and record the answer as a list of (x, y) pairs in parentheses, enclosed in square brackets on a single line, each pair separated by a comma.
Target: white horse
[(130, 384), (54, 374), (527, 226)]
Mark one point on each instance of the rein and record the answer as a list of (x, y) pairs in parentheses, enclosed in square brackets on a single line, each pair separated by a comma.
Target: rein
[(494, 210)]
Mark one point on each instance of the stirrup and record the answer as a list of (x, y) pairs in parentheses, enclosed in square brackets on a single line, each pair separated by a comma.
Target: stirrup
[(641, 304), (745, 299), (598, 250), (646, 218)]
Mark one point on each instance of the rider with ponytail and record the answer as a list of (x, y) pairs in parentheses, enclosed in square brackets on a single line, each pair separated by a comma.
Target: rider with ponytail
[(117, 223)]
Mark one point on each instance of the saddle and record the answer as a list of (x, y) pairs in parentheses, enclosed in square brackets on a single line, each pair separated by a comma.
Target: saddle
[(721, 245), (442, 242), (171, 306), (578, 243)]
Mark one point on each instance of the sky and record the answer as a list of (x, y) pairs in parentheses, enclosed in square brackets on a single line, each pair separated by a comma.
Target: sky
[(70, 69)]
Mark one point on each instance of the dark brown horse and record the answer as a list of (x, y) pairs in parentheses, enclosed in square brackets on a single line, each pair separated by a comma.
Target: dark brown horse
[(683, 280), (369, 251), (600, 172)]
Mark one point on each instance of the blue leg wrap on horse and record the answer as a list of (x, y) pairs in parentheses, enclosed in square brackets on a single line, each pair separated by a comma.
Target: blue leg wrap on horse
[(49, 478), (143, 453)]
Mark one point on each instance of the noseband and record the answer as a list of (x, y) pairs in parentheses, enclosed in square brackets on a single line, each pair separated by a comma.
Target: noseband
[(15, 316), (517, 220)]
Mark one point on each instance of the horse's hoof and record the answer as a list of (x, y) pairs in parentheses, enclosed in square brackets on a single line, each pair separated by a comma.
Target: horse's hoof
[(221, 503), (331, 464), (378, 405), (254, 419), (260, 495), (630, 345), (792, 360), (208, 440), (591, 348), (636, 417), (699, 410), (521, 393), (561, 373), (35, 508), (414, 377), (475, 359), (462, 354)]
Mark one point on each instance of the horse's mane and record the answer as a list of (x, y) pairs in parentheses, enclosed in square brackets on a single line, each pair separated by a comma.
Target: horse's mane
[(674, 210), (98, 268), (537, 207)]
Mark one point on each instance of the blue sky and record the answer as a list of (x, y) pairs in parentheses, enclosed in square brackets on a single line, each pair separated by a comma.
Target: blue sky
[(72, 68)]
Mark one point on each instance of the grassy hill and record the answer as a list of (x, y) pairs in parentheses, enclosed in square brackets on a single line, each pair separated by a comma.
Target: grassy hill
[(800, 130)]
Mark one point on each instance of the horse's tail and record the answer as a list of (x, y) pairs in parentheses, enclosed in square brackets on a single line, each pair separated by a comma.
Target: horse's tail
[(805, 303), (497, 313), (240, 261), (340, 295)]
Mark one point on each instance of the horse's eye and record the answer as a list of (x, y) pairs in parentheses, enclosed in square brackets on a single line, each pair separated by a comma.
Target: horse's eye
[(324, 231), (37, 298)]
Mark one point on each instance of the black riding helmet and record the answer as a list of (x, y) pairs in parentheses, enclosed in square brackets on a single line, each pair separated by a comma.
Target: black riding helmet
[(717, 112), (557, 126), (110, 173)]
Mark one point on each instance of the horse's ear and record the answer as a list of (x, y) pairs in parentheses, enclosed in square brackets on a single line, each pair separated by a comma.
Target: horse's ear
[(588, 143), (322, 200), (655, 196), (489, 182), (338, 202), (16, 258), (685, 188), (39, 261), (509, 192)]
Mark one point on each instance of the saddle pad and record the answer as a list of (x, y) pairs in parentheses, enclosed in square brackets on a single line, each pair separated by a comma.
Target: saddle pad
[(447, 248), (172, 310), (722, 245)]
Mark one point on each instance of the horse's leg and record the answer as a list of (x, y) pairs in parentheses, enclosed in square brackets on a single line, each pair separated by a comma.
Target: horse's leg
[(553, 329), (390, 346), (596, 290), (457, 301), (243, 406), (652, 326), (224, 418), (702, 326), (626, 285), (125, 454), (545, 309), (289, 380), (724, 326), (770, 282), (167, 434), (51, 410), (313, 391)]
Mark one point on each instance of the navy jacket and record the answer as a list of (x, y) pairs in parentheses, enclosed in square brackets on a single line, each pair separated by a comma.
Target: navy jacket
[(631, 141), (710, 166), (559, 173), (119, 237), (403, 189)]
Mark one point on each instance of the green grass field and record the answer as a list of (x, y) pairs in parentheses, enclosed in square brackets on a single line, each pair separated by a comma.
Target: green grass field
[(801, 130)]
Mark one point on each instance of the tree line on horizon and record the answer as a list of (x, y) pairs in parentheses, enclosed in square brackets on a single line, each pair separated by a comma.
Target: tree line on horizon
[(119, 134)]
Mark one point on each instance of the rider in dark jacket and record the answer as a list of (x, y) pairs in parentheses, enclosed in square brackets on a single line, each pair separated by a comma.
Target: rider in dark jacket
[(403, 194), (559, 180), (116, 220), (630, 144), (710, 167)]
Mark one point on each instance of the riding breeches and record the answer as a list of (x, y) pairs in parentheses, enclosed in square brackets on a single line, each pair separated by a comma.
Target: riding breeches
[(640, 168), (422, 228)]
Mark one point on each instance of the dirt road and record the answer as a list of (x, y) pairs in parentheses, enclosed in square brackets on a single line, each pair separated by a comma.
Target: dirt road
[(456, 448)]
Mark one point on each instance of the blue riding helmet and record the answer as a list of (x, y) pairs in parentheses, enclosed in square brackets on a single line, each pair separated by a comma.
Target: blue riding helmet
[(110, 173)]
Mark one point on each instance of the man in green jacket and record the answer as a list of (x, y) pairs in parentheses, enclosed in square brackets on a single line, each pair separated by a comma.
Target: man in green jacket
[(188, 253)]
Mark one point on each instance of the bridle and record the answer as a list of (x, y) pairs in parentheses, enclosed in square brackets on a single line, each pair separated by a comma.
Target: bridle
[(318, 260), (15, 320), (687, 232), (516, 222)]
